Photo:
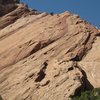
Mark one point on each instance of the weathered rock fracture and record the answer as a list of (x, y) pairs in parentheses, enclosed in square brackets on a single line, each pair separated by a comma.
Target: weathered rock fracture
[(46, 57)]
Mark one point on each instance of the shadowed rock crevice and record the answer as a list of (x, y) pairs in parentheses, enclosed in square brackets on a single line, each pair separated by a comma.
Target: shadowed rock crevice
[(98, 34), (42, 74), (76, 58), (1, 98), (87, 84)]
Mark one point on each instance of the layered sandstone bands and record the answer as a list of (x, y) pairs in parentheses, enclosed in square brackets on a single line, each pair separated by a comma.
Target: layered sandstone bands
[(47, 57)]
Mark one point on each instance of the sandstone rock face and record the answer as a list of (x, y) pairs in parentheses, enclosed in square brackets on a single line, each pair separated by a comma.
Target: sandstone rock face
[(91, 64), (47, 57), (7, 6), (12, 12), (9, 1)]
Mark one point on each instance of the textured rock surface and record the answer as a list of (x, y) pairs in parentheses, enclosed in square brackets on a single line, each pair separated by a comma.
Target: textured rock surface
[(46, 57), (9, 1), (7, 6), (91, 64), (11, 11)]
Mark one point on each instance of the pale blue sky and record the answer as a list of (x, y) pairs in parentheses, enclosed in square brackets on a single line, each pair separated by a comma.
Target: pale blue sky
[(87, 9)]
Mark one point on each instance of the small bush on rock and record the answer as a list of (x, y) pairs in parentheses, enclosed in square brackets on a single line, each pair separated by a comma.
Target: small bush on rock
[(89, 95)]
